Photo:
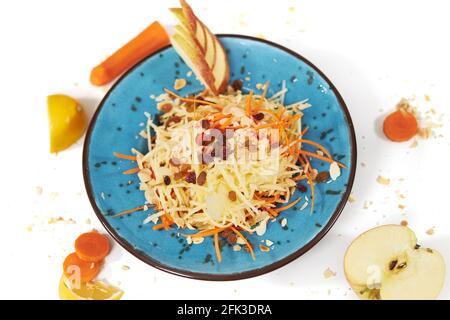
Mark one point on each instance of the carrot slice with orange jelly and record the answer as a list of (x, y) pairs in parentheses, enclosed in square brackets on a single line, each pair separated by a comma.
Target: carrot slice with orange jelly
[(73, 266), (400, 126), (92, 246)]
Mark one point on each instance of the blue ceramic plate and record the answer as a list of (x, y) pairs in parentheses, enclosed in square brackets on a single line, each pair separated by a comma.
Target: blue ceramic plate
[(120, 117)]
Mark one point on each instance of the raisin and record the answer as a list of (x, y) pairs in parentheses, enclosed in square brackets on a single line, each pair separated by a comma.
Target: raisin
[(259, 116), (166, 180), (201, 178), (301, 188), (232, 238), (232, 196), (166, 107), (322, 176), (205, 124), (225, 233), (237, 85), (191, 177)]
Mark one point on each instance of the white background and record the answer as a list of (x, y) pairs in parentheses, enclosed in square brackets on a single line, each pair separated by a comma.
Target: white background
[(375, 52)]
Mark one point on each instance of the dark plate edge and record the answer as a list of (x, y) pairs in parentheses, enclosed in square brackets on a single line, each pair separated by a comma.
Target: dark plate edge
[(241, 275)]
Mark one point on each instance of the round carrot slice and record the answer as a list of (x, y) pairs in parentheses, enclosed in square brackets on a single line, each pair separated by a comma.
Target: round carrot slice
[(92, 246), (400, 126), (74, 265)]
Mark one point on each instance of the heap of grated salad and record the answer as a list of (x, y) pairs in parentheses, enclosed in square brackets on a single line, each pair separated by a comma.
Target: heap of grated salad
[(223, 164)]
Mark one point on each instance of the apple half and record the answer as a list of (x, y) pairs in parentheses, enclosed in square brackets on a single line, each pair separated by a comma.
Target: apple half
[(385, 263), (200, 49)]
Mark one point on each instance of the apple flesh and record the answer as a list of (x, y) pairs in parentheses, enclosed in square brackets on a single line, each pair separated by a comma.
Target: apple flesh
[(386, 263), (205, 54)]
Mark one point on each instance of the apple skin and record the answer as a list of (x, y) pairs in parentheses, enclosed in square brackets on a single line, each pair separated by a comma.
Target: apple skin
[(222, 87), (386, 263), (211, 51), (193, 58)]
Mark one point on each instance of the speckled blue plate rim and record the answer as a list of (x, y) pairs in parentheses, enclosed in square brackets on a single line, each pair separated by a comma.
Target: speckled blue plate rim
[(240, 275)]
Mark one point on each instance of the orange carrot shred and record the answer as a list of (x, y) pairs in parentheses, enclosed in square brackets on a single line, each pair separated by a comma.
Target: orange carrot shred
[(271, 211), (248, 106), (215, 105), (300, 177), (281, 112), (311, 184), (269, 112), (128, 211), (226, 123), (266, 125), (216, 246), (124, 156), (249, 246), (304, 131), (220, 116), (131, 171), (319, 146), (165, 222), (290, 205), (315, 155), (263, 96), (158, 226), (207, 233)]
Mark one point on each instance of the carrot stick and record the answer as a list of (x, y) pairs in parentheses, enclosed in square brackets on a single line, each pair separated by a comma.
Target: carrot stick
[(148, 41), (207, 233), (249, 246), (128, 211), (131, 171), (315, 155), (248, 106), (216, 246), (124, 156), (215, 105), (290, 205)]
